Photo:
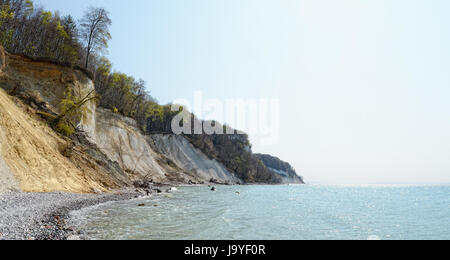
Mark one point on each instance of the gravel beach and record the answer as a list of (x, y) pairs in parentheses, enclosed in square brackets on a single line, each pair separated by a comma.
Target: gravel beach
[(41, 216)]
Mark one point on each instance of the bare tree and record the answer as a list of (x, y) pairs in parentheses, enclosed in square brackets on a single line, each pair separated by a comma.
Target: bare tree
[(95, 30)]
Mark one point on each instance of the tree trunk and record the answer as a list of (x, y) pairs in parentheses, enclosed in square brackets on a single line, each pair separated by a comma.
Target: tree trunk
[(87, 60)]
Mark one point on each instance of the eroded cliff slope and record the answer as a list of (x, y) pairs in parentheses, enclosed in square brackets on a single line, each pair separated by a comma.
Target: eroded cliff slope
[(31, 157), (107, 152), (160, 158), (192, 160)]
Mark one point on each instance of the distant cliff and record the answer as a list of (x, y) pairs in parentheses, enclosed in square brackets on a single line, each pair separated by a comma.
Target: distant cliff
[(234, 151), (192, 160), (283, 169)]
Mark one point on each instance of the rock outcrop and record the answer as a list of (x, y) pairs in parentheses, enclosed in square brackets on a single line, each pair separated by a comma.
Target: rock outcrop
[(43, 81)]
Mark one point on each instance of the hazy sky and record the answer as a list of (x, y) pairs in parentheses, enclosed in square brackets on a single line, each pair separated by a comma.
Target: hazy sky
[(364, 85)]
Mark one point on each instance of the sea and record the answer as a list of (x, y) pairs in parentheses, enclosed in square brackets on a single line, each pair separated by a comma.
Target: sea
[(288, 212)]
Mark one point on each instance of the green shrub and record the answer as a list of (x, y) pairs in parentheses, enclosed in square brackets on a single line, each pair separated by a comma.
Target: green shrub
[(65, 129)]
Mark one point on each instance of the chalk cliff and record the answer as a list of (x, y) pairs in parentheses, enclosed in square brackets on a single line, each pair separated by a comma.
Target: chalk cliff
[(192, 160), (107, 152)]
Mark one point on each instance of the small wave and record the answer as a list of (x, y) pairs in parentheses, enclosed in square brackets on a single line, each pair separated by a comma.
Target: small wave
[(374, 238)]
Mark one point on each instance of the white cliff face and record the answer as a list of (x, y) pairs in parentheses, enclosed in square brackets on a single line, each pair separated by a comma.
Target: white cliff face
[(120, 139), (190, 159), (285, 177), (88, 122), (153, 156), (279, 172)]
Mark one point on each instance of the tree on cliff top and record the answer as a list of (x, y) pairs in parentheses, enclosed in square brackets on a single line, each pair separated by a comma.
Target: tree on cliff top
[(95, 30)]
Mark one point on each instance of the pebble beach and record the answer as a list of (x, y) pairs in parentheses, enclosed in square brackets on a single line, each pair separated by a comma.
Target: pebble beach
[(42, 216)]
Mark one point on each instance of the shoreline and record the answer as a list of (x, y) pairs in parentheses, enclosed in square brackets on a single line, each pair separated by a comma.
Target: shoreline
[(46, 215), (43, 216)]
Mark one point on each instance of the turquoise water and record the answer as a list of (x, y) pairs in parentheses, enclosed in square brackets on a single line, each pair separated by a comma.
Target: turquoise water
[(277, 212)]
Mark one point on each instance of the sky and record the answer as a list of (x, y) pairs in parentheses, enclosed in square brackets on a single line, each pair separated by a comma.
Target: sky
[(363, 86)]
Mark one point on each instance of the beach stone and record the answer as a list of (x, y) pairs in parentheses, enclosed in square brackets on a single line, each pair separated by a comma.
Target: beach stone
[(70, 229), (74, 238)]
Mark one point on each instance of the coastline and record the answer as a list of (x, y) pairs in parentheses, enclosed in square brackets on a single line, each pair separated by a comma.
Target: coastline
[(46, 216), (42, 216)]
